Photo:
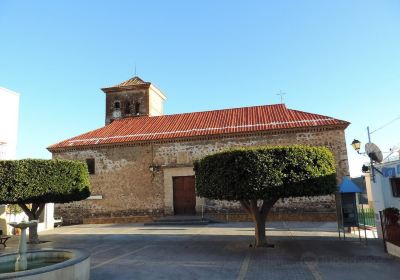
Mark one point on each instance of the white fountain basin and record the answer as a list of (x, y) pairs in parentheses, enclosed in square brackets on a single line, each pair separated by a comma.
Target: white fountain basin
[(48, 264)]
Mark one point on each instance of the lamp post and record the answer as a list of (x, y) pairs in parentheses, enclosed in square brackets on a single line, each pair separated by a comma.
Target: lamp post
[(357, 145)]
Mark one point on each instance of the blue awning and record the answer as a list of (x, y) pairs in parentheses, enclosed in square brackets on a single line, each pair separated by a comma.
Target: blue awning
[(347, 186)]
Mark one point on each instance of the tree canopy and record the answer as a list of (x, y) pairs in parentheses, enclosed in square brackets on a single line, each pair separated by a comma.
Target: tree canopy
[(37, 182), (43, 181), (266, 172), (258, 177)]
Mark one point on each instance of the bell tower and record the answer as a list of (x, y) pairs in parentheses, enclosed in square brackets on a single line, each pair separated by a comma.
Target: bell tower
[(133, 98)]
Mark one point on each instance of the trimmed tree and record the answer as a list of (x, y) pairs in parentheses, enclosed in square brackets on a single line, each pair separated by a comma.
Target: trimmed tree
[(31, 183), (258, 177)]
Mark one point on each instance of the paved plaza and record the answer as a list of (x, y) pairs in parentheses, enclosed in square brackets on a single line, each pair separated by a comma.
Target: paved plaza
[(221, 251)]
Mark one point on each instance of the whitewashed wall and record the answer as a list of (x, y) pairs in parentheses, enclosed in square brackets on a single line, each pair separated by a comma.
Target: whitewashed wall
[(382, 190), (9, 110)]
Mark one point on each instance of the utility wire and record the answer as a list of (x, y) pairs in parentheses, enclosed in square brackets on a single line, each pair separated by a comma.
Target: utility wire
[(385, 125)]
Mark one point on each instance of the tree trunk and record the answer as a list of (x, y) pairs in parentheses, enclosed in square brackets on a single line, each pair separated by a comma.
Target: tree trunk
[(33, 214), (261, 240), (259, 215), (33, 234)]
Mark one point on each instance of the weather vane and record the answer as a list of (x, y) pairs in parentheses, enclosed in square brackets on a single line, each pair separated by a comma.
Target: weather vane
[(281, 94)]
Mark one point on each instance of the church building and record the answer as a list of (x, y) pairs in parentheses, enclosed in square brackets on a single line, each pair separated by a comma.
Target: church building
[(141, 161)]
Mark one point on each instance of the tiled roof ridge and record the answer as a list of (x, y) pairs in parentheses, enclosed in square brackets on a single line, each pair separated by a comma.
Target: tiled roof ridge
[(169, 115), (97, 139), (136, 80), (230, 109), (213, 122), (208, 111)]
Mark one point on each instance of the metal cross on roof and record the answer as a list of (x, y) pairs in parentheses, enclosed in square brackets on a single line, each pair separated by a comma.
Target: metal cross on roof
[(281, 94)]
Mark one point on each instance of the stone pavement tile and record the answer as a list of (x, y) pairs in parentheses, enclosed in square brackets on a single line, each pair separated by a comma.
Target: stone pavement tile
[(277, 270), (359, 270), (222, 252), (175, 261), (275, 263), (162, 270)]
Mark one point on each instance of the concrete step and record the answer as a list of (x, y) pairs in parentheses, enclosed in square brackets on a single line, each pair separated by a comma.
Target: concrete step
[(179, 218), (178, 221)]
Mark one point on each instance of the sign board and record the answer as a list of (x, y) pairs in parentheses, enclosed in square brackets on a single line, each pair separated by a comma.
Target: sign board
[(389, 172)]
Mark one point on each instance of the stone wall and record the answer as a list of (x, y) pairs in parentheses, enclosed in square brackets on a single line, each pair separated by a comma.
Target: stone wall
[(273, 216), (127, 100), (183, 153), (123, 180), (128, 187)]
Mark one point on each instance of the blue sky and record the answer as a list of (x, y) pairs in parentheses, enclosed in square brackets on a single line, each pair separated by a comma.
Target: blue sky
[(336, 58)]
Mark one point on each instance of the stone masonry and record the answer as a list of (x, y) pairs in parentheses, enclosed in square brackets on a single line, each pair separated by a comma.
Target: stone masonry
[(125, 186)]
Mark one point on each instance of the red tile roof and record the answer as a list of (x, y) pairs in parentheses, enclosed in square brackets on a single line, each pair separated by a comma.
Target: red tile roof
[(228, 121), (135, 81), (132, 83)]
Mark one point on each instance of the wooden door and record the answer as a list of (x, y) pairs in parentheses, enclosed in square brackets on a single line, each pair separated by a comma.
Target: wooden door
[(184, 195)]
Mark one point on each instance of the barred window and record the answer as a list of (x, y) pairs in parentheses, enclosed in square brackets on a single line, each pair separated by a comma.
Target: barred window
[(395, 183)]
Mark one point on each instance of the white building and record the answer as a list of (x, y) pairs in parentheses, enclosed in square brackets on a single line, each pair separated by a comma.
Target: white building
[(9, 112), (386, 188), (385, 191), (9, 109)]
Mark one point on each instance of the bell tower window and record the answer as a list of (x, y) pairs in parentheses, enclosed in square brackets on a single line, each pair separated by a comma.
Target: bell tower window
[(133, 98), (137, 107), (116, 114), (117, 105), (127, 108)]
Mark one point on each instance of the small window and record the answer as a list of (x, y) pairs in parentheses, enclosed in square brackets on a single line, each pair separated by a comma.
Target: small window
[(90, 165), (395, 183), (117, 105)]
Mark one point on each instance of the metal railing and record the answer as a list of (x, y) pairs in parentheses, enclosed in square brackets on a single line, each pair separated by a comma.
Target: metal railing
[(390, 227), (204, 206), (366, 216)]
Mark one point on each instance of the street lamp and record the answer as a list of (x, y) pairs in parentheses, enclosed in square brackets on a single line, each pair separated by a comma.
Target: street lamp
[(372, 154), (356, 145)]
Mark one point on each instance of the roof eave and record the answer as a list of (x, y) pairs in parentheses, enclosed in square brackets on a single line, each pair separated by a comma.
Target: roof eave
[(130, 87)]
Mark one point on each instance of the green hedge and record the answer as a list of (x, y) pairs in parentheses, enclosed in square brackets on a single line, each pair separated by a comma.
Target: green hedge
[(42, 181), (265, 172)]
